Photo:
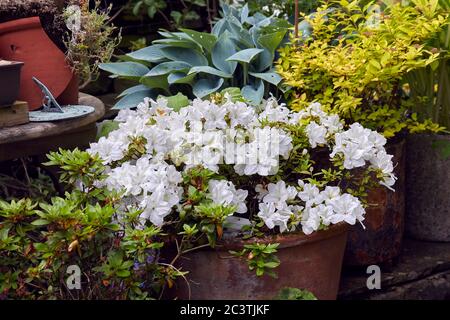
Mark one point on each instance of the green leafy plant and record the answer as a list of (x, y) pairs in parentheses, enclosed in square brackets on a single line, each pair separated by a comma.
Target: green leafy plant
[(239, 52), (154, 8), (342, 61), (295, 294), (260, 257), (279, 8), (92, 44), (429, 87)]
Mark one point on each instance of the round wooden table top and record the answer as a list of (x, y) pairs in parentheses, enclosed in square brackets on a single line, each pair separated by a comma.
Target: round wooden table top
[(30, 138)]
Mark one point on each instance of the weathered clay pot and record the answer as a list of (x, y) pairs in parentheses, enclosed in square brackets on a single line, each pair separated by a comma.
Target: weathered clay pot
[(381, 241), (9, 82), (427, 185), (25, 40), (310, 262)]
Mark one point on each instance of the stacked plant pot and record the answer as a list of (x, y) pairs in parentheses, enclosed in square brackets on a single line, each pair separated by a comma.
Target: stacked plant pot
[(428, 180)]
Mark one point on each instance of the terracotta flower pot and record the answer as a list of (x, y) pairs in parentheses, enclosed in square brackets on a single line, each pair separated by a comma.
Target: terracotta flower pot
[(381, 241), (428, 181), (9, 82), (310, 262), (25, 40)]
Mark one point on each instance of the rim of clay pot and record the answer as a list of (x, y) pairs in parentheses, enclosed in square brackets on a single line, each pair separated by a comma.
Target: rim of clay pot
[(20, 24), (287, 240)]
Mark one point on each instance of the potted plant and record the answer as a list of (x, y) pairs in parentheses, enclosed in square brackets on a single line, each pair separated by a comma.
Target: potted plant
[(267, 189), (341, 61), (428, 163), (9, 82)]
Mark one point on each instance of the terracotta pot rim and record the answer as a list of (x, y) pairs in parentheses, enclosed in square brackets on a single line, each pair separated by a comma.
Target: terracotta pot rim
[(20, 24), (287, 240)]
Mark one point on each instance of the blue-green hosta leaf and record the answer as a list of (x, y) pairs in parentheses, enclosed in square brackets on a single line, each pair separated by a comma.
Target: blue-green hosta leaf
[(206, 40), (193, 57), (245, 55), (244, 14), (168, 67), (264, 61), (271, 41), (205, 87), (223, 49), (253, 95), (190, 44), (219, 28), (151, 54), (125, 69), (209, 70), (240, 34), (175, 35), (133, 99), (133, 89), (155, 82), (180, 77), (271, 77), (256, 18)]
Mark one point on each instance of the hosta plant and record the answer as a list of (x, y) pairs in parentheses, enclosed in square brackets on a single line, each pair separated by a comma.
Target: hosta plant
[(352, 59), (239, 52)]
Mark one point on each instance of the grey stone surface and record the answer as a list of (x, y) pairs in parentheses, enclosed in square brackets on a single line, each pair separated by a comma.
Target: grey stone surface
[(422, 272)]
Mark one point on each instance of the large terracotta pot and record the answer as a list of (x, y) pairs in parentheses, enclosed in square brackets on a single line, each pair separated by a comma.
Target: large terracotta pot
[(24, 40), (310, 262), (427, 185), (381, 241)]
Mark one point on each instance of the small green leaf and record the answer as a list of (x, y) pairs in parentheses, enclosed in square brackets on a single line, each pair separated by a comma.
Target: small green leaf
[(40, 222), (177, 101)]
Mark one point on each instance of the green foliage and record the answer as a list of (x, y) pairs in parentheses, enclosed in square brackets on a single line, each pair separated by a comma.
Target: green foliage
[(342, 61), (260, 257), (429, 87), (295, 294), (38, 241), (178, 18), (279, 8), (239, 52), (93, 44)]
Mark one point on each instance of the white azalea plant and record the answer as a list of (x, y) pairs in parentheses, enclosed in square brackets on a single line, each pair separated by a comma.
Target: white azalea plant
[(212, 164)]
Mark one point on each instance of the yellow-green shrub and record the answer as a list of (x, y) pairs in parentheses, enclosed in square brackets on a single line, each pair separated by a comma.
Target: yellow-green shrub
[(354, 59)]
